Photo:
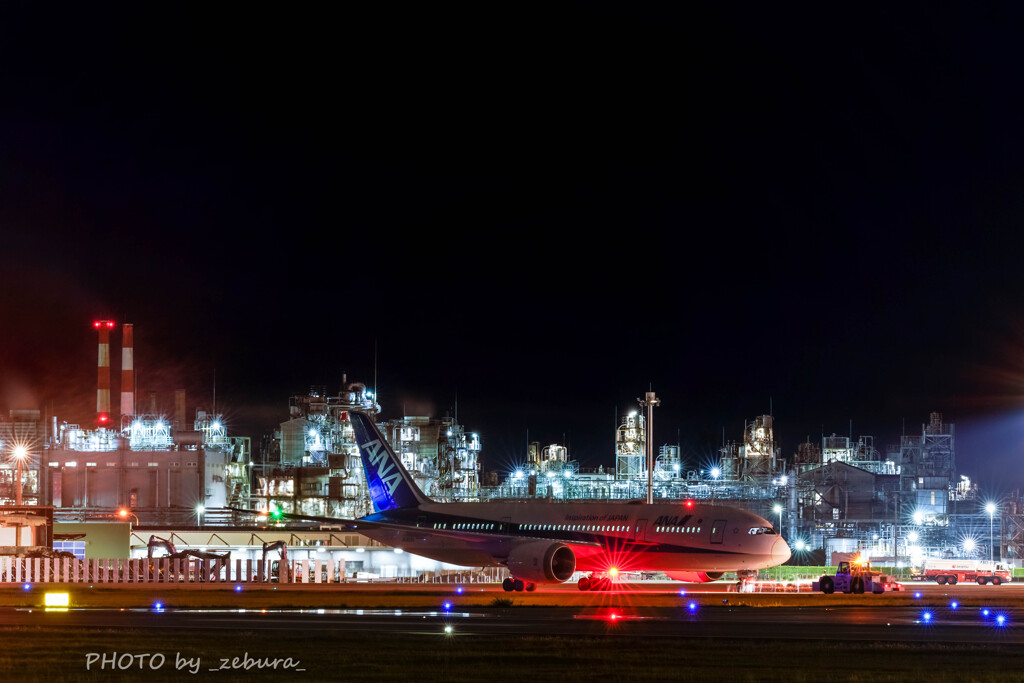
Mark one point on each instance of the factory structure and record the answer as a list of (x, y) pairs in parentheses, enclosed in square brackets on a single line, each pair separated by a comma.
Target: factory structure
[(310, 465), (838, 494)]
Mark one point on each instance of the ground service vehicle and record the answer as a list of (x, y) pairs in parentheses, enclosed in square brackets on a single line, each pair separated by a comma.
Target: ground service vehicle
[(856, 577), (955, 571)]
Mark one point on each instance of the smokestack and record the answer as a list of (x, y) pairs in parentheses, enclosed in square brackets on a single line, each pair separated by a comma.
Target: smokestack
[(179, 410), (127, 372), (103, 372)]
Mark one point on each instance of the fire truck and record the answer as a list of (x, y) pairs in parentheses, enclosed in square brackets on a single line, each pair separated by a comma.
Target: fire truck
[(955, 571), (856, 577)]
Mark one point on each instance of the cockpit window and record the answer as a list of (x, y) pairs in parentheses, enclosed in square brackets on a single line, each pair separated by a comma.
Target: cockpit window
[(758, 530)]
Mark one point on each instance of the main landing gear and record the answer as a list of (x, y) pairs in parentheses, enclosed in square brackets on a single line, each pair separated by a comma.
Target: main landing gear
[(595, 583), (518, 585)]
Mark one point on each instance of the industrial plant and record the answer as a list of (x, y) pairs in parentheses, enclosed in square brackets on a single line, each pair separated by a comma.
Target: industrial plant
[(897, 504)]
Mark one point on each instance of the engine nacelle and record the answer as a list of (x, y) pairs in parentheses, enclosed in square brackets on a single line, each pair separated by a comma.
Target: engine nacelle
[(542, 562), (695, 577)]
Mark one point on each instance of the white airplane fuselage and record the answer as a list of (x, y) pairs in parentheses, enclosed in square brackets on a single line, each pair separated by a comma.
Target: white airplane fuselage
[(544, 542), (668, 537)]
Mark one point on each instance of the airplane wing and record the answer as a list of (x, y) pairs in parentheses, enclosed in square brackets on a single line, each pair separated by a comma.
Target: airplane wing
[(484, 540)]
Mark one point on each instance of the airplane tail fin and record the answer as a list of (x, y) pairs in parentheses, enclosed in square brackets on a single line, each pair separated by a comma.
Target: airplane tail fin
[(390, 484)]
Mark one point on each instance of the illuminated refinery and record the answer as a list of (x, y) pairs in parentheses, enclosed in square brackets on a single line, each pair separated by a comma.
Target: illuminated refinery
[(835, 497)]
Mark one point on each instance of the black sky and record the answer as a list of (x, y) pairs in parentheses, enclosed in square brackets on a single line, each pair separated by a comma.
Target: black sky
[(536, 211)]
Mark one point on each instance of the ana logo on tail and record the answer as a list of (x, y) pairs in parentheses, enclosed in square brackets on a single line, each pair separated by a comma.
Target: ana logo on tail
[(387, 472)]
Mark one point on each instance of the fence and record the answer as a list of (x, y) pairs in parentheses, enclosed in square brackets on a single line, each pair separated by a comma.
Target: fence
[(166, 570)]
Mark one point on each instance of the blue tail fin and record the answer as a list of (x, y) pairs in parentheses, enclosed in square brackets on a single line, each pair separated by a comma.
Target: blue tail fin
[(390, 484)]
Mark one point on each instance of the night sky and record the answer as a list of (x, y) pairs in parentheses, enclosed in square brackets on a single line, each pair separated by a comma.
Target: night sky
[(536, 212)]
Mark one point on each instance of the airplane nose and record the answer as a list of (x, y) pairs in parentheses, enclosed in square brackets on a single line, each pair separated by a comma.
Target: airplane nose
[(780, 551)]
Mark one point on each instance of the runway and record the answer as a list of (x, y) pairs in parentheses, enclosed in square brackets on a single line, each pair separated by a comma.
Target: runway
[(936, 616), (628, 634)]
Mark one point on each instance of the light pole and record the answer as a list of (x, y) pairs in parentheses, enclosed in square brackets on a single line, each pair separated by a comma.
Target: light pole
[(20, 453), (778, 511), (124, 514), (990, 508)]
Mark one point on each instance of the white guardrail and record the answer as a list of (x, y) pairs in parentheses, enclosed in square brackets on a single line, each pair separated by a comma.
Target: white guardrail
[(167, 570)]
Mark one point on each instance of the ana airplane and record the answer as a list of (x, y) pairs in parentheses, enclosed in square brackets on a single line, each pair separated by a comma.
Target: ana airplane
[(542, 542)]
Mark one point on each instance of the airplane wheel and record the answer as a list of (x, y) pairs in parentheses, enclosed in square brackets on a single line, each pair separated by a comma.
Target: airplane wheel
[(508, 585), (519, 586), (583, 584), (530, 587)]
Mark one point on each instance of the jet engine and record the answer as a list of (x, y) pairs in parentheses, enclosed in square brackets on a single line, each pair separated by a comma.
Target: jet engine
[(542, 562), (695, 577)]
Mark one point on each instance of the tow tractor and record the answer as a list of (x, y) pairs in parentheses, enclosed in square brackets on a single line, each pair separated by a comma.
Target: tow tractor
[(856, 577)]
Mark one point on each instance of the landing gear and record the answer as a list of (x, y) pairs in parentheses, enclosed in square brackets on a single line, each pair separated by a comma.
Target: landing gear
[(594, 583), (517, 585), (746, 584)]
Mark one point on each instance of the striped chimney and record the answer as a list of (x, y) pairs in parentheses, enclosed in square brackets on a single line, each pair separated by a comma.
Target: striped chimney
[(127, 372), (103, 373)]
